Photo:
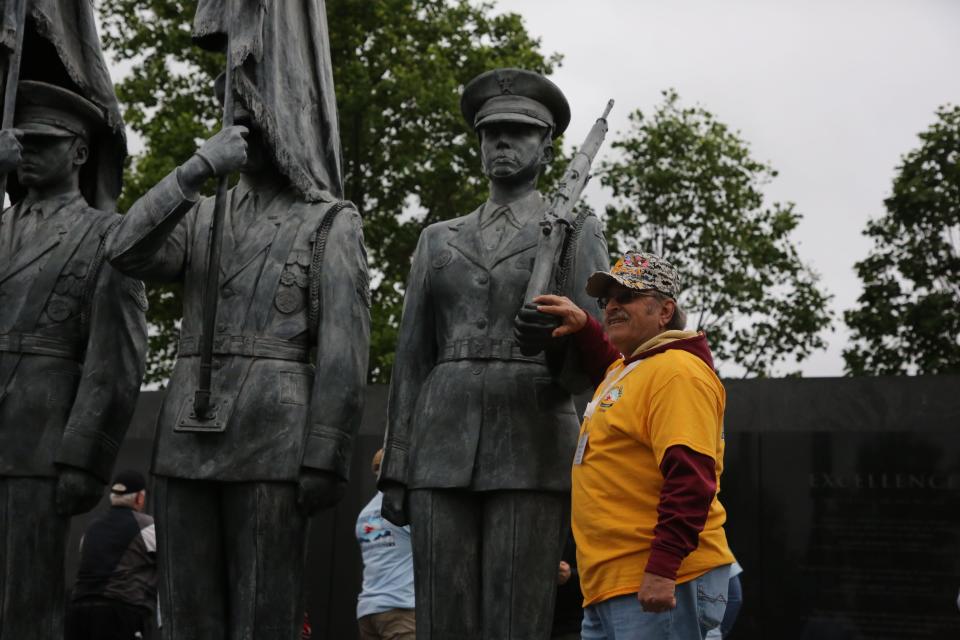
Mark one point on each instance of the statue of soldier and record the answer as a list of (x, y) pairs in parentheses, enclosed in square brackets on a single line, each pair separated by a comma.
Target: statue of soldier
[(480, 437), (232, 498), (72, 343)]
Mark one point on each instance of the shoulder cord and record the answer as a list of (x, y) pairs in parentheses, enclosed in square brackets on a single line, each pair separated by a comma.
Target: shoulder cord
[(90, 287), (316, 266)]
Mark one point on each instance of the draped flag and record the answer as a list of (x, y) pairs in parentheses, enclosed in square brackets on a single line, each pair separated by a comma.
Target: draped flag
[(62, 47), (284, 77)]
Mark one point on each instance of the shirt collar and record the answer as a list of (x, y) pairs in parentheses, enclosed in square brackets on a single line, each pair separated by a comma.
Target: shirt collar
[(265, 197), (50, 206), (518, 212)]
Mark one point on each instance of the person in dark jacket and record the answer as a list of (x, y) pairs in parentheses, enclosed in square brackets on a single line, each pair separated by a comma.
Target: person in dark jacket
[(116, 588)]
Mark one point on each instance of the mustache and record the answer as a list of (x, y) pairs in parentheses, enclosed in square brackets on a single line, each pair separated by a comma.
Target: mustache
[(616, 315)]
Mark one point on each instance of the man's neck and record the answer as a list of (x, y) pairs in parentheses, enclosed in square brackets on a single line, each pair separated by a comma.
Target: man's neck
[(49, 192), (263, 181), (506, 192)]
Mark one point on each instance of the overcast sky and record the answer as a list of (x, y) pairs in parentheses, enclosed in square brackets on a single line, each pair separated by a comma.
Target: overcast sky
[(831, 93)]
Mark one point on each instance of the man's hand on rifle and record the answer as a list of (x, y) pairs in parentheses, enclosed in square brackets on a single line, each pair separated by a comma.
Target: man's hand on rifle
[(546, 318), (10, 150), (221, 155)]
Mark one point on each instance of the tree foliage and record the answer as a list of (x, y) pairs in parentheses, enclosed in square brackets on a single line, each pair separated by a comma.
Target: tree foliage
[(409, 158), (686, 187), (908, 316)]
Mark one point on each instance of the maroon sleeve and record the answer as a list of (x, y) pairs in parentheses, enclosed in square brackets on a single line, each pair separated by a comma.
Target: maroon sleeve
[(689, 485), (596, 352)]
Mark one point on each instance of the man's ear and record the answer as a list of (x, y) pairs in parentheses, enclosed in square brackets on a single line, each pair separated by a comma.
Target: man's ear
[(81, 152), (667, 310), (548, 152)]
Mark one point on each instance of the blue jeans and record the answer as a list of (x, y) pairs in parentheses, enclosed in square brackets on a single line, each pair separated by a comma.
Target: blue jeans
[(700, 606)]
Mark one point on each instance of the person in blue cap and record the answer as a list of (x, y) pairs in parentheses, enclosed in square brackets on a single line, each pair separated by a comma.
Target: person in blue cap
[(480, 436)]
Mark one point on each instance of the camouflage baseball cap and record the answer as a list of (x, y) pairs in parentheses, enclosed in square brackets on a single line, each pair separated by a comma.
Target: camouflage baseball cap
[(640, 271)]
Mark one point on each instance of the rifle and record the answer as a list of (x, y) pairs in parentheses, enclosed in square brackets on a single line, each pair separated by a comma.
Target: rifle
[(559, 219), (13, 77), (203, 410)]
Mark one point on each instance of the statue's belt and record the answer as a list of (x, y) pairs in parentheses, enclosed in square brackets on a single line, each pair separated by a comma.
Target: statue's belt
[(250, 346), (39, 345), (483, 348)]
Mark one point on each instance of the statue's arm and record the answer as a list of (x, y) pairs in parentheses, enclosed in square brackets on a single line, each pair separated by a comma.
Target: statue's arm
[(10, 149), (112, 372), (343, 341), (151, 242), (416, 355)]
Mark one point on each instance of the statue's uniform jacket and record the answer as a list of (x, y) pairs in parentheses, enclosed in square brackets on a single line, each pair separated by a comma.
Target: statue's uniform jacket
[(466, 409), (72, 344), (282, 410)]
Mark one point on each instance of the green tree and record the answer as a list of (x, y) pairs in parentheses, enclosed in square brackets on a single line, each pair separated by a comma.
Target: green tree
[(409, 158), (908, 316), (686, 187)]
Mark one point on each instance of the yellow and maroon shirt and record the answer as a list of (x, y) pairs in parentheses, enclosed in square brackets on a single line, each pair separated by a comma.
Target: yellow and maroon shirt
[(648, 465)]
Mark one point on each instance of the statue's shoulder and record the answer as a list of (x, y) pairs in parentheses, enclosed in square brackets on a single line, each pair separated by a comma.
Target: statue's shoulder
[(447, 228), (102, 221)]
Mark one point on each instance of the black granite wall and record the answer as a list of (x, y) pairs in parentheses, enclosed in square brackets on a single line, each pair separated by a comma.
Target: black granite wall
[(843, 498)]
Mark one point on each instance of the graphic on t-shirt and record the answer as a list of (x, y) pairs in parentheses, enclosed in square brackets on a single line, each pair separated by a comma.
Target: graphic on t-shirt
[(610, 397), (372, 529)]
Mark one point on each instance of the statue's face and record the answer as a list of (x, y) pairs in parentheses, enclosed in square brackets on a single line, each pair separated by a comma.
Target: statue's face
[(514, 150), (49, 160)]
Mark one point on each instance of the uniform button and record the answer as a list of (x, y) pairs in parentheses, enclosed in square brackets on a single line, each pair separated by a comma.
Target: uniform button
[(229, 293), (221, 327), (484, 279), (481, 323), (216, 364), (477, 371)]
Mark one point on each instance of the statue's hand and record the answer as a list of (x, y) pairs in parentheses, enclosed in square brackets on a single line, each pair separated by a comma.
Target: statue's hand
[(317, 490), (77, 491), (394, 507), (533, 329), (10, 150), (226, 151)]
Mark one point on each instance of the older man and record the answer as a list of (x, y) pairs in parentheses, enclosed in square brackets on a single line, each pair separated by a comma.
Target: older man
[(480, 435), (116, 588), (651, 548)]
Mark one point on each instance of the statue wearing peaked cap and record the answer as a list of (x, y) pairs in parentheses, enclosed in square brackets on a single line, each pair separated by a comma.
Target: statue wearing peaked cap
[(72, 344), (480, 436)]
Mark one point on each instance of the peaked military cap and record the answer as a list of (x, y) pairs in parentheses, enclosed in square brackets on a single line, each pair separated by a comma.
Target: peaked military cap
[(515, 95), (48, 110)]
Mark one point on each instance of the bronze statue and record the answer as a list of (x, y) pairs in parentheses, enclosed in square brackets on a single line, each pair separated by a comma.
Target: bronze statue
[(72, 344), (481, 435), (236, 481)]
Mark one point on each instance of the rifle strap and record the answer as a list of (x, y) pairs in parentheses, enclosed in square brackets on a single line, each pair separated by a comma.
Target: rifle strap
[(568, 256)]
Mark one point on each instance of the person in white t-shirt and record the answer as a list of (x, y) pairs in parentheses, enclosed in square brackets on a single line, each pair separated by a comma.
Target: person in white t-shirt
[(385, 606)]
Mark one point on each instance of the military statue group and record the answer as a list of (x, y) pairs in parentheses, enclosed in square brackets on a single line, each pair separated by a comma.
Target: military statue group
[(480, 432)]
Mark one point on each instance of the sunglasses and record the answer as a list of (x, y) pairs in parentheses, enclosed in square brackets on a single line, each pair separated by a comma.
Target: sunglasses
[(623, 298)]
